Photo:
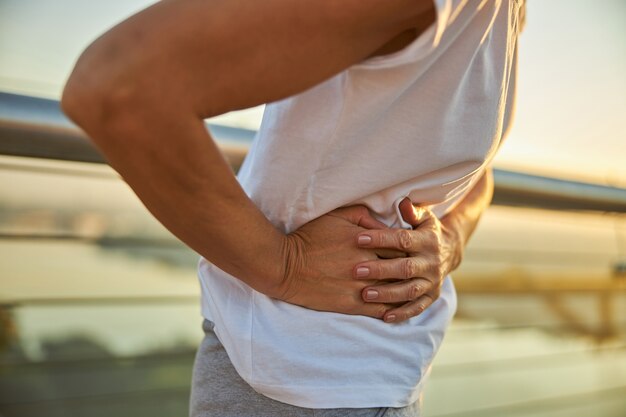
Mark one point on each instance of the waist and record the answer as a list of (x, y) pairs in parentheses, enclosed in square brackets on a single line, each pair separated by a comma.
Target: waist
[(294, 354)]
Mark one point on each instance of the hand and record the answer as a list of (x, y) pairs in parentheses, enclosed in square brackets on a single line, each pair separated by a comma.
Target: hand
[(434, 249), (320, 259)]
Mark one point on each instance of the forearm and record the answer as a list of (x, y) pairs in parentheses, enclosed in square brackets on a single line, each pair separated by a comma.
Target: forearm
[(461, 222), (142, 90), (168, 158)]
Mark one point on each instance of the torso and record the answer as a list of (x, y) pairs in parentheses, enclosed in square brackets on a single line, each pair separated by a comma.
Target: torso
[(422, 121)]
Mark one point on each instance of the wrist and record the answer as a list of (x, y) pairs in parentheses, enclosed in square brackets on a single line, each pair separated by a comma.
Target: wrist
[(284, 283), (267, 263)]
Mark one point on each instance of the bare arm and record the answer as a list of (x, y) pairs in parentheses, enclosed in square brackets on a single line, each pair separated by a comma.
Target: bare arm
[(142, 90), (461, 222), (435, 248)]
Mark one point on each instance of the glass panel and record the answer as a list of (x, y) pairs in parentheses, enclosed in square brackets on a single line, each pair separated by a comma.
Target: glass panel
[(99, 311), (100, 314)]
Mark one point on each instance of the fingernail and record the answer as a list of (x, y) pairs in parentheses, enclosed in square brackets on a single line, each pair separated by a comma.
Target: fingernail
[(362, 271), (371, 294), (365, 240), (390, 318)]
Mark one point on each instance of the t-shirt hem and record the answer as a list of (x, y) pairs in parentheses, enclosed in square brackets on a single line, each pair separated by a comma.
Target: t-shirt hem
[(340, 397)]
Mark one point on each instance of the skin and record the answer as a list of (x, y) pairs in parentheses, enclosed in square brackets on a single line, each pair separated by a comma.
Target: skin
[(142, 90), (434, 249)]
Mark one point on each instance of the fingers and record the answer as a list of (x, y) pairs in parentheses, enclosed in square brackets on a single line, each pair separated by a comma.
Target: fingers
[(391, 314), (351, 303), (391, 311), (408, 241), (410, 309), (397, 313), (412, 214), (409, 212), (400, 239), (398, 268), (374, 310), (403, 291)]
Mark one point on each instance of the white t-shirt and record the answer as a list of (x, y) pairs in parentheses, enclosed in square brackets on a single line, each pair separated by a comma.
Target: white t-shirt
[(421, 122)]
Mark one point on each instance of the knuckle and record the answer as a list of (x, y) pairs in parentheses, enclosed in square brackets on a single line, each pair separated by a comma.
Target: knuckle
[(409, 268), (431, 239), (405, 239), (414, 291), (419, 308)]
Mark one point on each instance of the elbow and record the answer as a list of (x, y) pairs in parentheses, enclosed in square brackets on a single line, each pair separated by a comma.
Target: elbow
[(94, 97), (82, 94), (76, 95)]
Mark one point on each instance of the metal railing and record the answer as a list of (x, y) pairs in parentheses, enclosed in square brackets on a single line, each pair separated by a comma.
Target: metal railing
[(36, 127)]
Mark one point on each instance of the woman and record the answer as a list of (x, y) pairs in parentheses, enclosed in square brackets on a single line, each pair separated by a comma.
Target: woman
[(371, 102)]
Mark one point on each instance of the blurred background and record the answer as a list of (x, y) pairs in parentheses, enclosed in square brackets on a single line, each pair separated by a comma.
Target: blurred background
[(99, 304)]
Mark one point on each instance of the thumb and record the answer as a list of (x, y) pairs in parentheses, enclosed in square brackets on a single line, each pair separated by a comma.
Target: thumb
[(411, 214)]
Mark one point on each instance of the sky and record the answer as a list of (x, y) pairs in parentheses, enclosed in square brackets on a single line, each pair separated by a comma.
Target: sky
[(570, 120)]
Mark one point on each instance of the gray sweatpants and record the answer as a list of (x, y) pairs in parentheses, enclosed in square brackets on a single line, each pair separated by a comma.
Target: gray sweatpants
[(218, 390)]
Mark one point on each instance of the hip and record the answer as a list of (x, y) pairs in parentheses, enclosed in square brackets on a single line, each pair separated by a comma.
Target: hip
[(218, 390), (319, 359)]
